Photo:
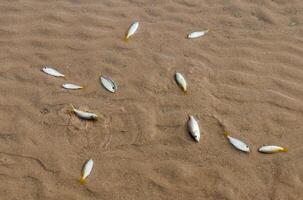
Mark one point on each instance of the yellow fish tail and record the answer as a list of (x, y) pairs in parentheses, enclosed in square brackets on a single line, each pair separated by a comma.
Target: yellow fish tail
[(70, 110), (226, 133), (82, 181), (284, 150), (72, 107), (125, 38)]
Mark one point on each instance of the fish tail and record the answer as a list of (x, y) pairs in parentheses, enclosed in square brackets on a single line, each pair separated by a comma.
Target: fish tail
[(82, 181), (72, 107), (207, 30), (226, 133), (125, 38), (185, 91), (70, 110), (83, 87), (64, 77), (284, 150)]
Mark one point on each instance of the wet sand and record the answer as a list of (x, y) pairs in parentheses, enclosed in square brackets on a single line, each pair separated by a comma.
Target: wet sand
[(246, 73)]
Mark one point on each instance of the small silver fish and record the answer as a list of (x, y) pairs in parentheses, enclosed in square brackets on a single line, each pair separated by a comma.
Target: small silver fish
[(181, 81), (108, 84), (52, 72), (238, 144), (71, 86), (84, 114), (197, 34), (86, 170), (131, 30), (272, 149), (193, 128)]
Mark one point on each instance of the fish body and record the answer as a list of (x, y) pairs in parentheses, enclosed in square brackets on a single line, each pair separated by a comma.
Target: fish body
[(193, 128), (86, 170), (84, 114), (272, 149), (71, 86), (238, 144), (131, 30), (108, 84), (52, 72), (181, 81), (196, 34)]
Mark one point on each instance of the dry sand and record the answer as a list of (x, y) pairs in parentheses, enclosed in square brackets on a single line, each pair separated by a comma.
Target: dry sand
[(246, 72)]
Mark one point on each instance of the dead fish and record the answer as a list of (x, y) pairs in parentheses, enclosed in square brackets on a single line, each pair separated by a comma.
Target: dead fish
[(52, 71), (131, 30), (272, 149), (193, 128), (71, 86), (84, 114), (86, 170), (238, 144), (108, 84), (197, 34), (181, 82)]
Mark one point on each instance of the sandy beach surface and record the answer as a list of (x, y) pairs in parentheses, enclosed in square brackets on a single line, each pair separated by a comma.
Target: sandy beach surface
[(245, 75)]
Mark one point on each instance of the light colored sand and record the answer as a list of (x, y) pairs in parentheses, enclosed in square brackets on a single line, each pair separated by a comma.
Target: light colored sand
[(247, 72)]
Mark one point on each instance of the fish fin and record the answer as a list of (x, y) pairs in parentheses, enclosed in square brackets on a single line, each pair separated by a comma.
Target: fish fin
[(226, 133), (125, 38), (82, 181), (284, 150)]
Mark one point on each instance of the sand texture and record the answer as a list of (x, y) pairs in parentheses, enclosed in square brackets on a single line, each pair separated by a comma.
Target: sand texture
[(245, 75)]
